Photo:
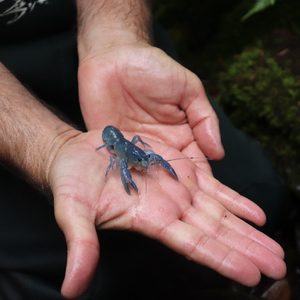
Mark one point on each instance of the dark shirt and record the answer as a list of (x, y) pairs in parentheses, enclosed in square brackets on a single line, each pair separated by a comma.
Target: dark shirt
[(38, 45), (25, 20)]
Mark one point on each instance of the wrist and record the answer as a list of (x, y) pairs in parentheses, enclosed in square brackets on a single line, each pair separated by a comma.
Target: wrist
[(109, 23), (58, 138), (103, 40)]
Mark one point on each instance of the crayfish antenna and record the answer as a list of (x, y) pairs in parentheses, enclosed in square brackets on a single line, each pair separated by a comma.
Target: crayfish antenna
[(100, 147), (192, 157)]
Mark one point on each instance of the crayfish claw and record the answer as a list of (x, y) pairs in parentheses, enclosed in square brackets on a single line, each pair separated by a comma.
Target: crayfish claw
[(169, 168), (157, 159)]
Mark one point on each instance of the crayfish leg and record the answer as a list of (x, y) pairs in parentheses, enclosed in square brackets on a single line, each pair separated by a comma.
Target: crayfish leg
[(126, 177), (137, 139)]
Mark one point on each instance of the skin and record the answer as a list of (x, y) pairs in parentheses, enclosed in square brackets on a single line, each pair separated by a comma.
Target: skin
[(196, 216)]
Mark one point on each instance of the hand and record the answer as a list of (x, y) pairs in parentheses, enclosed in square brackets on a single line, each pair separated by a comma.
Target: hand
[(136, 87), (196, 216)]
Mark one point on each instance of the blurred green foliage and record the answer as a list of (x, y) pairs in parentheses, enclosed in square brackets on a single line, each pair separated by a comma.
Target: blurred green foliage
[(260, 5)]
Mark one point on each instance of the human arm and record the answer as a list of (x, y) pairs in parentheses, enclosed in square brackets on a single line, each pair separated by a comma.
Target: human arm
[(135, 86), (30, 134)]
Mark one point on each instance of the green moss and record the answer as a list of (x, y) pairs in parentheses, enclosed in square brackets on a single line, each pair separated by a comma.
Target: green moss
[(263, 99)]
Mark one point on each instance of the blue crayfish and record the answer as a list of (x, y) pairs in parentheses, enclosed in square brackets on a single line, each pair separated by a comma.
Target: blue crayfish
[(129, 155)]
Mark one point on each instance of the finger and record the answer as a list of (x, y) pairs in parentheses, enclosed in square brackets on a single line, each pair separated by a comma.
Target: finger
[(214, 209), (194, 244), (202, 118), (233, 201), (83, 246), (267, 262)]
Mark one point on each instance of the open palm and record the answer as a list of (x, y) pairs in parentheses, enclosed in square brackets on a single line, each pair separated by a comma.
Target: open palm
[(139, 88), (196, 216)]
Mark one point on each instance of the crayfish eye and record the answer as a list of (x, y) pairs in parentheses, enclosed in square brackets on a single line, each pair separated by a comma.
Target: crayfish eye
[(148, 156), (139, 159), (112, 147)]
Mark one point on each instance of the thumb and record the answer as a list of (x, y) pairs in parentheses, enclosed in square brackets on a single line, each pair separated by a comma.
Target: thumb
[(202, 118), (74, 218)]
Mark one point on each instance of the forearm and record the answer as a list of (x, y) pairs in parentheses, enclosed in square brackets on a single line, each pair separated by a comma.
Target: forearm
[(112, 22), (30, 134)]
